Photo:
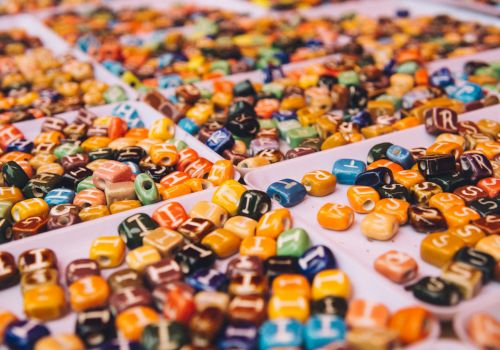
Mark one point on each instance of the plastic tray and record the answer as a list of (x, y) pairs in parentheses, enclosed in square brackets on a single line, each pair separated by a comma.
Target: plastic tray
[(62, 243), (58, 46), (352, 241), (460, 321), (472, 5)]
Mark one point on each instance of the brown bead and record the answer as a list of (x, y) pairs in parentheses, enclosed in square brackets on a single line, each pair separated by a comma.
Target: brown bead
[(205, 326), (36, 259), (299, 152), (235, 158), (314, 143), (9, 274), (29, 227), (243, 264), (272, 155), (75, 160), (250, 308), (194, 229), (439, 120), (247, 283), (271, 133), (60, 221), (423, 191), (467, 127), (36, 278), (490, 224), (164, 271), (426, 219), (126, 298), (85, 116), (188, 93), (124, 279), (80, 268), (470, 193), (53, 124)]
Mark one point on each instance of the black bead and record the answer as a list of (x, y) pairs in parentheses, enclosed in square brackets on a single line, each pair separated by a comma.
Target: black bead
[(95, 326), (278, 265), (254, 204), (330, 305), (436, 291), (397, 191), (193, 257), (480, 260)]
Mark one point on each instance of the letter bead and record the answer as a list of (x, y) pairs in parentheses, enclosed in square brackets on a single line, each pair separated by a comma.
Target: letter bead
[(60, 342), (166, 241), (412, 323), (141, 257), (335, 306), (133, 229), (193, 257), (222, 242), (287, 192), (397, 266), (9, 274), (467, 278), (80, 268), (425, 219), (292, 242), (44, 302), (490, 245), (319, 183), (36, 259), (484, 330), (366, 314), (281, 333), (439, 248), (88, 292), (123, 279), (331, 282), (131, 322), (347, 170), (254, 204), (228, 196), (194, 229), (362, 198), (24, 334), (288, 306), (108, 251), (315, 260), (337, 217), (436, 291), (209, 211), (273, 223)]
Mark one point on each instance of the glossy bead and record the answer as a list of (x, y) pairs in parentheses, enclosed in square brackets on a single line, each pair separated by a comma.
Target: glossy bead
[(278, 265), (164, 240), (41, 185), (80, 268), (164, 334), (60, 342), (347, 170), (371, 338), (375, 178), (281, 332), (378, 226), (397, 191), (287, 192), (397, 266), (337, 217), (133, 229), (90, 198), (92, 213), (88, 292), (221, 171), (124, 278), (273, 223), (319, 183), (412, 324), (439, 248), (292, 242), (110, 172), (145, 189), (194, 229), (14, 175), (222, 242), (439, 120), (241, 226), (249, 308), (475, 166), (108, 251), (36, 259), (259, 246), (9, 274), (426, 219), (362, 198), (291, 284), (228, 196), (490, 245), (445, 201), (59, 196), (192, 257), (131, 323), (29, 208), (44, 302), (288, 306), (141, 257), (205, 325), (466, 277), (470, 193), (254, 204), (436, 165), (483, 328), (204, 300), (334, 306), (170, 215), (367, 314), (491, 185), (436, 291), (331, 282), (24, 334), (209, 211), (207, 279), (422, 192), (315, 260)]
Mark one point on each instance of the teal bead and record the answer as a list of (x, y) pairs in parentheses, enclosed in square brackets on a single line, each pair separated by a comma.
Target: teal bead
[(85, 184), (408, 68), (114, 94), (267, 123), (67, 149), (293, 242), (285, 126), (295, 136), (349, 77), (179, 144), (14, 175), (146, 190), (5, 208)]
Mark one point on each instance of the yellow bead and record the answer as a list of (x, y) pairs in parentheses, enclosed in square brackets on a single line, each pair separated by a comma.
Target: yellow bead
[(52, 168), (162, 129), (439, 248), (337, 217), (29, 208), (376, 130), (241, 226), (489, 127), (331, 282), (210, 211), (45, 302), (470, 234), (221, 171), (60, 342), (490, 245), (408, 178), (288, 306), (118, 207), (92, 213), (464, 276), (490, 149), (444, 201), (319, 183), (291, 284), (223, 242), (88, 293), (362, 198), (272, 223), (200, 113), (446, 137), (11, 194), (378, 226), (95, 142), (395, 207), (228, 196), (335, 140), (108, 251), (262, 247), (41, 159), (141, 257), (460, 215), (131, 322)]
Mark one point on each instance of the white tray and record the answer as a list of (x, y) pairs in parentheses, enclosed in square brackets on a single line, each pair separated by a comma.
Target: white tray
[(470, 5), (62, 243), (58, 46), (352, 241)]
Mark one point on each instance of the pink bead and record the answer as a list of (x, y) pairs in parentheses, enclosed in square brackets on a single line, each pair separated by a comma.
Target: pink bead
[(109, 172), (89, 197)]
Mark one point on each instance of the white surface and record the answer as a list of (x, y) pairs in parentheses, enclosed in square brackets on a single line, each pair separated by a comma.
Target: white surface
[(352, 241), (70, 244), (471, 5), (461, 320)]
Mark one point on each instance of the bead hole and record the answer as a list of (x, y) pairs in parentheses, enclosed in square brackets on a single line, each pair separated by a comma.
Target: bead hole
[(147, 185), (368, 205), (104, 260), (264, 207), (387, 179)]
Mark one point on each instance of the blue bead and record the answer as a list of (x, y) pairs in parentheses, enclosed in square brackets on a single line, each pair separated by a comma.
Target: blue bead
[(468, 92), (375, 178), (321, 330), (169, 81), (127, 113), (20, 146), (220, 140), (315, 260), (402, 13), (389, 67), (283, 115), (362, 118), (442, 78), (400, 155), (136, 170), (121, 345), (240, 335), (346, 170), (208, 279), (59, 196), (189, 126), (281, 333), (287, 192), (22, 335), (165, 60), (114, 67), (272, 72)]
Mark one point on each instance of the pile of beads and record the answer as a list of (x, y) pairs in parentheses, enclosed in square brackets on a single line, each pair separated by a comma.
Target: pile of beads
[(292, 4), (36, 83), (449, 191), (321, 106), (484, 330), (104, 24), (18, 6), (95, 166), (281, 291)]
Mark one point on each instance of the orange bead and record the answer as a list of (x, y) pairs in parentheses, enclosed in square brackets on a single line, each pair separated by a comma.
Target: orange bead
[(49, 137), (200, 168), (221, 171), (6, 318), (445, 148), (319, 183), (406, 123), (379, 226), (490, 149), (337, 217), (408, 178), (396, 266), (262, 247), (174, 178), (444, 201), (291, 284), (366, 314), (470, 234), (175, 191), (395, 207), (412, 323), (460, 215), (272, 223), (117, 127), (131, 322), (170, 215), (491, 185), (362, 198), (164, 154), (88, 292), (395, 167), (137, 133)]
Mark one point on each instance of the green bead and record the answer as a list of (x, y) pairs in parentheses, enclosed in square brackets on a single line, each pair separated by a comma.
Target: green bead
[(288, 125), (146, 190), (220, 66), (85, 184), (133, 228), (114, 94), (274, 89), (488, 71), (5, 207), (408, 68), (40, 185), (205, 93), (179, 144), (67, 149), (14, 175), (246, 140), (495, 66), (267, 123), (349, 77), (296, 136), (293, 242)]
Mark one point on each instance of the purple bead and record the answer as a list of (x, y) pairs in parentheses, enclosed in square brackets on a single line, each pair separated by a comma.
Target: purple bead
[(220, 140), (475, 166), (262, 143), (241, 335), (209, 280)]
